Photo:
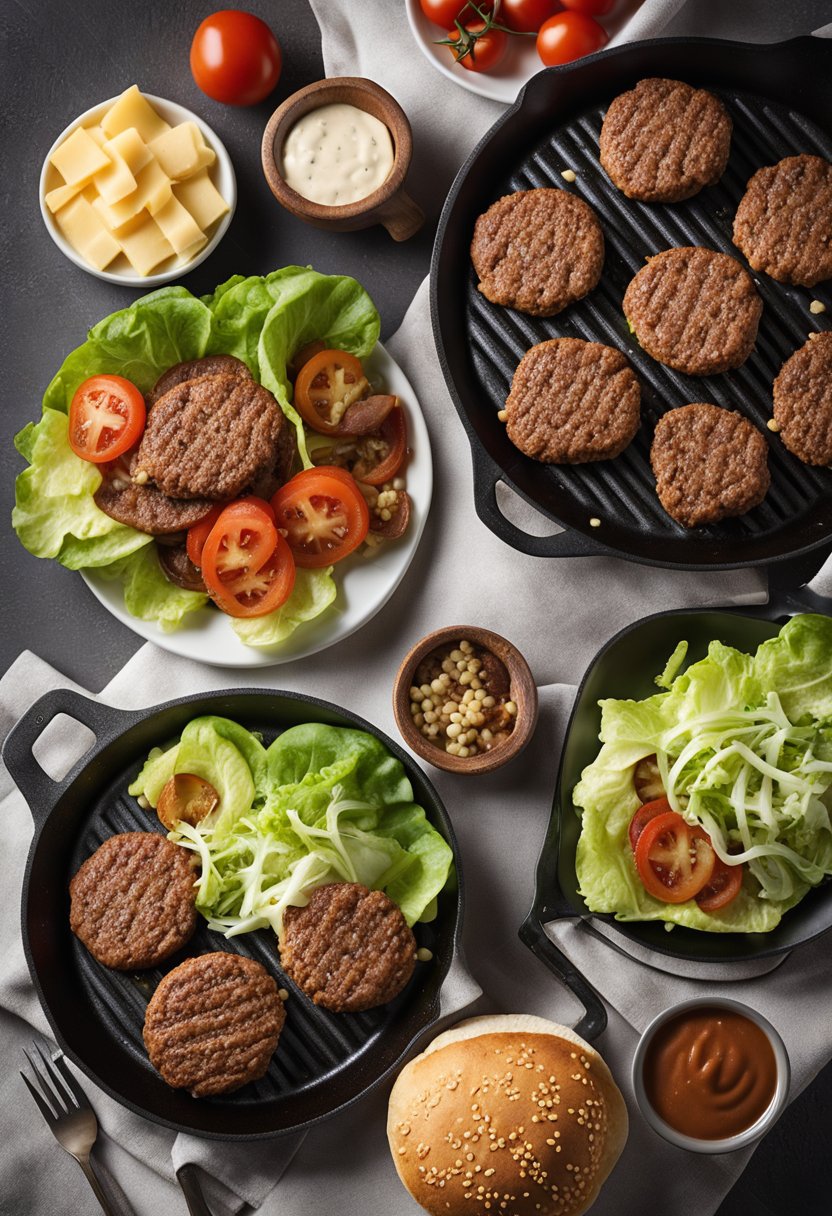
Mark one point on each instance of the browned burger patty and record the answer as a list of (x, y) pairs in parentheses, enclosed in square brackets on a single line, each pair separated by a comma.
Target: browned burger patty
[(709, 464), (268, 481), (132, 902), (349, 949), (572, 402), (210, 437), (213, 1023), (803, 401), (783, 224), (537, 251), (664, 141), (148, 509), (695, 310), (210, 365)]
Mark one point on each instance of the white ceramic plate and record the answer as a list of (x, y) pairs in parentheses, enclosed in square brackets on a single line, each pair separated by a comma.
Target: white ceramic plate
[(503, 84), (222, 175), (365, 584)]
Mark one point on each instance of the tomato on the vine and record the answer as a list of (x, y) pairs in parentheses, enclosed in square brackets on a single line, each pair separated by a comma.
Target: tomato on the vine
[(569, 36), (479, 48), (526, 16), (592, 8), (443, 12)]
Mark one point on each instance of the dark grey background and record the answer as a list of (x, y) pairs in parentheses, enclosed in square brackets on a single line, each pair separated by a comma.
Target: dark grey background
[(57, 60)]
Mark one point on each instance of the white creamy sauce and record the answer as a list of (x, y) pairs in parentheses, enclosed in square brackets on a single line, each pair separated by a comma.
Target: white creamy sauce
[(336, 155)]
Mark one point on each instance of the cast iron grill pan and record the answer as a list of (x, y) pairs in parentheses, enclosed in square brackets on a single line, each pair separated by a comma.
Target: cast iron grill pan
[(556, 126), (323, 1060)]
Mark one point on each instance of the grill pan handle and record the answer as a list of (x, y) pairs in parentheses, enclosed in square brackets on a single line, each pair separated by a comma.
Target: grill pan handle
[(594, 1021), (39, 790), (562, 544)]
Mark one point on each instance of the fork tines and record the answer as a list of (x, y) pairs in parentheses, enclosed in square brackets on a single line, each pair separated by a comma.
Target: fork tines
[(57, 1093)]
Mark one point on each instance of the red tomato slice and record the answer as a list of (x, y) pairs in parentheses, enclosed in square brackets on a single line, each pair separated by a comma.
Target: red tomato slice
[(326, 386), (674, 861), (106, 417), (247, 566), (724, 886), (639, 821), (324, 515), (199, 533), (372, 459)]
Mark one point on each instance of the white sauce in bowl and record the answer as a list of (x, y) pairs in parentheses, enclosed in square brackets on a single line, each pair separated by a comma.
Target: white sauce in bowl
[(336, 155)]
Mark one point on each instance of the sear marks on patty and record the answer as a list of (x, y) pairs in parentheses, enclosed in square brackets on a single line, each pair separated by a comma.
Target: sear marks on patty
[(148, 509), (694, 310), (213, 1024), (132, 902), (193, 369), (572, 402), (709, 464), (538, 251), (268, 481), (349, 949), (783, 224), (211, 437), (803, 401), (178, 568), (663, 141)]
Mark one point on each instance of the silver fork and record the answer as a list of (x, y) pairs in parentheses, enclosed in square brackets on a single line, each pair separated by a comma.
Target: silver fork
[(70, 1117)]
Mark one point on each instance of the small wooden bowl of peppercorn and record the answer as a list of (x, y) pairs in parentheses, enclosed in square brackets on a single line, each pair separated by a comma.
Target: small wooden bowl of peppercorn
[(465, 700)]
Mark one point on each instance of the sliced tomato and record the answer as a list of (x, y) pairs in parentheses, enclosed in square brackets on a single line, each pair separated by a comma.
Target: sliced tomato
[(199, 533), (646, 812), (674, 861), (247, 566), (107, 416), (372, 459), (648, 780), (326, 386), (723, 888), (323, 514)]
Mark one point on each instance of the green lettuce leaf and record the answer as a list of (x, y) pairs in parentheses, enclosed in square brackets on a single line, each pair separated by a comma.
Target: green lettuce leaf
[(798, 665), (313, 592), (148, 594)]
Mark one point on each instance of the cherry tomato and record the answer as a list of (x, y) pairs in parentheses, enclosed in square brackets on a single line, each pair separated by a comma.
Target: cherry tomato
[(527, 15), (235, 58), (443, 12), (674, 861), (326, 386), (639, 821), (723, 888), (592, 8), (569, 36), (324, 515), (106, 417), (487, 49), (648, 780), (246, 564)]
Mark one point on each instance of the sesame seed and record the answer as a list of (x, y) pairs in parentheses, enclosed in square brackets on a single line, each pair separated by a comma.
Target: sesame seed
[(568, 175), (595, 522)]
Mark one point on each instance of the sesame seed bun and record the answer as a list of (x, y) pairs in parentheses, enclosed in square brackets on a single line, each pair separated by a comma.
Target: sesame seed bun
[(506, 1115)]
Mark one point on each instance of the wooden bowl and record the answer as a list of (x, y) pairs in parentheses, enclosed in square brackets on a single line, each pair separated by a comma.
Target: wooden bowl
[(389, 204), (522, 689)]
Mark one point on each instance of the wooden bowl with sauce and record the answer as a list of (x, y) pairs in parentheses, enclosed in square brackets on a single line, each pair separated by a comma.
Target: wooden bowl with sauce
[(388, 204), (512, 681), (711, 1075)]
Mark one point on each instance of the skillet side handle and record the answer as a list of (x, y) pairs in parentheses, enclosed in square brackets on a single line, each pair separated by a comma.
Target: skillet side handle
[(594, 1021), (39, 790), (562, 544)]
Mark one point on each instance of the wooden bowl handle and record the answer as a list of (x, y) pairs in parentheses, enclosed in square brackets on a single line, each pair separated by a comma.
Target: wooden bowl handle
[(401, 216)]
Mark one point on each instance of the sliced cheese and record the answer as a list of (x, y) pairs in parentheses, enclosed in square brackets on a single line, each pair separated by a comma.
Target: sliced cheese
[(152, 192), (79, 158), (146, 246), (86, 233), (182, 151), (187, 255), (178, 225), (97, 134), (60, 196), (131, 109), (116, 181), (130, 146), (202, 199)]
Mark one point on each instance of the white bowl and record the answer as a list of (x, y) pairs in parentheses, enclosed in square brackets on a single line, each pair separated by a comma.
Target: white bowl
[(222, 175), (731, 1143)]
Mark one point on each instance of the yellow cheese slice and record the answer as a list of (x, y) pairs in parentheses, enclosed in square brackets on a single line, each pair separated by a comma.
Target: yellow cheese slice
[(82, 227), (79, 157), (116, 181), (202, 199), (146, 246), (132, 149), (178, 225), (152, 192), (182, 151), (60, 196), (97, 134), (187, 255), (131, 109)]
